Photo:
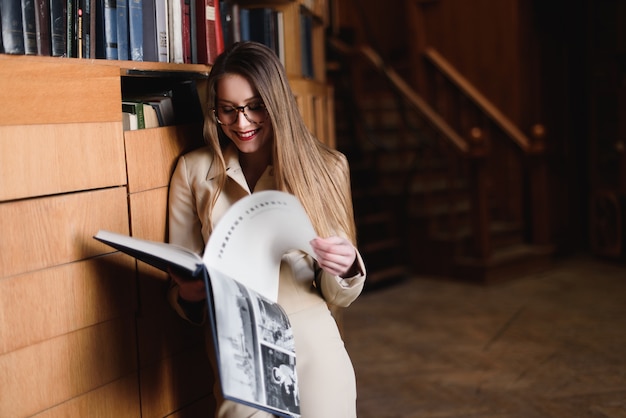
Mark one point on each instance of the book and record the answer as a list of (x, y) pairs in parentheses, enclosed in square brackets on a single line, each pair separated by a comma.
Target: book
[(110, 29), (121, 8), (70, 29), (150, 117), (83, 29), (254, 343), (186, 30), (42, 27), (57, 28), (229, 18), (12, 27), (161, 11), (150, 35), (306, 45), (262, 27), (29, 27), (134, 110), (135, 29), (209, 31), (175, 31)]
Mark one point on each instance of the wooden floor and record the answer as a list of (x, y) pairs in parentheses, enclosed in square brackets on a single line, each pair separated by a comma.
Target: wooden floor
[(548, 345)]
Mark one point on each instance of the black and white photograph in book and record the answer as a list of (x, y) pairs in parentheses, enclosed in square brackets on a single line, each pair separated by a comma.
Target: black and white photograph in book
[(281, 380), (257, 332)]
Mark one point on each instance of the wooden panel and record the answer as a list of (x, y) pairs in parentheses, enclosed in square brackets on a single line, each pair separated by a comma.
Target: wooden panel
[(174, 382), (58, 91), (148, 214), (205, 407), (315, 102), (38, 160), (117, 399), (45, 232), (46, 374), (152, 153), (47, 303)]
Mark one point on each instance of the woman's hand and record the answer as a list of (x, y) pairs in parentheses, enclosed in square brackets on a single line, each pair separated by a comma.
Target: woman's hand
[(191, 290), (335, 255)]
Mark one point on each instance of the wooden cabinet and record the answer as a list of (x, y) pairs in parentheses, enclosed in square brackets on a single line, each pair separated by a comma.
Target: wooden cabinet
[(85, 331)]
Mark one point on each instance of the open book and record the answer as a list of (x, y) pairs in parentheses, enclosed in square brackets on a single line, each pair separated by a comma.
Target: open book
[(254, 342)]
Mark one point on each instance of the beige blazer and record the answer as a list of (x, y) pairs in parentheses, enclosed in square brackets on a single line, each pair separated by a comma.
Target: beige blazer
[(325, 374)]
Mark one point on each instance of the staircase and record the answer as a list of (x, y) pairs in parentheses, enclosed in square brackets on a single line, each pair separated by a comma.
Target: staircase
[(429, 200)]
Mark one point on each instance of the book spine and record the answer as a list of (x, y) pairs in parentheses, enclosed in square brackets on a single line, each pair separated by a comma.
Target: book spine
[(121, 7), (84, 30), (149, 31), (110, 29), (306, 26), (42, 27), (175, 23), (186, 30), (193, 30), (12, 29), (208, 16), (135, 27), (244, 22), (230, 23), (93, 28), (162, 30), (29, 27), (70, 31)]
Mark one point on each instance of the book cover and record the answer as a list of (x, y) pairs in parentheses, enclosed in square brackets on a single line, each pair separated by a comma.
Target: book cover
[(42, 27), (150, 35), (135, 28), (209, 31), (12, 27), (254, 342), (121, 7), (29, 27), (57, 28)]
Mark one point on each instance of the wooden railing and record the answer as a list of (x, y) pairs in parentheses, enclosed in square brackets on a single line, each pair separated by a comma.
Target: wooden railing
[(502, 169)]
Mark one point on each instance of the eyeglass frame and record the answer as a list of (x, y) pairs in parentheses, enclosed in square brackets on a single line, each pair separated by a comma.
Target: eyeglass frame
[(240, 109)]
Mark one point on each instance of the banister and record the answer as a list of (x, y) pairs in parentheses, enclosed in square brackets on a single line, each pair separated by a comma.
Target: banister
[(438, 123), (481, 101)]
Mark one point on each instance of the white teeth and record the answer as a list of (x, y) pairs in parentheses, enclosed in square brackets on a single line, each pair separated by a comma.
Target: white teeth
[(246, 134)]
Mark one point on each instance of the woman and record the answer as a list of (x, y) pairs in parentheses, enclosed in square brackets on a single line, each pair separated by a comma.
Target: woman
[(257, 140)]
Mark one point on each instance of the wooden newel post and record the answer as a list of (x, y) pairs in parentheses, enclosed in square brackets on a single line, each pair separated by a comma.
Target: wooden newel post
[(539, 191), (479, 194)]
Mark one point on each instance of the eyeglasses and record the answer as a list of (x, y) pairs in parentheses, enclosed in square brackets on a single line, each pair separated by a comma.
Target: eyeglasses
[(227, 115)]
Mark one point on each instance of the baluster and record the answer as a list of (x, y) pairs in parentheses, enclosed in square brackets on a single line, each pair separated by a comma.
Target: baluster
[(479, 186), (539, 193)]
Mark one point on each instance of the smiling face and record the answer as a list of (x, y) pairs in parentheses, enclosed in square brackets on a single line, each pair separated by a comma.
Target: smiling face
[(251, 138)]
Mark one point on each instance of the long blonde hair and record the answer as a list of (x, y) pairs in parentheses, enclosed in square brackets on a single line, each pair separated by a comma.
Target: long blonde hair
[(303, 165)]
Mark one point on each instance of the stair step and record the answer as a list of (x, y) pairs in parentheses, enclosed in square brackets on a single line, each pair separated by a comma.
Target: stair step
[(505, 264), (384, 277)]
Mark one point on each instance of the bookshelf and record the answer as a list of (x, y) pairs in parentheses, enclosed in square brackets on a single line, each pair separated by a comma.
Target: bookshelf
[(82, 328)]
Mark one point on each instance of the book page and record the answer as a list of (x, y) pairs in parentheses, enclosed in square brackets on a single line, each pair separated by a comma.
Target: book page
[(249, 241)]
